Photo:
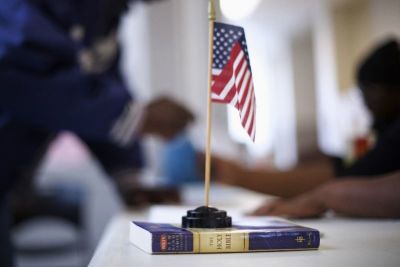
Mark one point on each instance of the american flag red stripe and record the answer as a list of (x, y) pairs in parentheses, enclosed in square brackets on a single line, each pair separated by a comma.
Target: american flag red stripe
[(232, 81)]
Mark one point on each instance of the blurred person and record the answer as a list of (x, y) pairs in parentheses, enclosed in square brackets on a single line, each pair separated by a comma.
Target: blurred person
[(378, 77), (59, 71)]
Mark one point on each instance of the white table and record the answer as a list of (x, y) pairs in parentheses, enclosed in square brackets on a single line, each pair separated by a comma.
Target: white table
[(345, 242)]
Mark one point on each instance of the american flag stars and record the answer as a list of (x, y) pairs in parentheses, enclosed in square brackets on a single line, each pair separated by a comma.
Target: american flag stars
[(223, 43)]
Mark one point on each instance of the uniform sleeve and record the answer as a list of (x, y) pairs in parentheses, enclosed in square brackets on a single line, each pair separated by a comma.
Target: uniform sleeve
[(42, 84)]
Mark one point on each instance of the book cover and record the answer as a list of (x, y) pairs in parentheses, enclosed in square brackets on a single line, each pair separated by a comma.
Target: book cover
[(162, 238)]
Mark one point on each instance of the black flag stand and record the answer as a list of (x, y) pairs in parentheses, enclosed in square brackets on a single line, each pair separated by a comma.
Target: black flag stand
[(206, 217)]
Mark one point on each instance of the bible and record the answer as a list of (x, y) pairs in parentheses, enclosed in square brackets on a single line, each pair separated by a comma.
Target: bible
[(274, 235)]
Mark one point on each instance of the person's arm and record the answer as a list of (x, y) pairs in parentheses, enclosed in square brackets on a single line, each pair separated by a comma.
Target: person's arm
[(379, 197), (42, 83), (278, 183)]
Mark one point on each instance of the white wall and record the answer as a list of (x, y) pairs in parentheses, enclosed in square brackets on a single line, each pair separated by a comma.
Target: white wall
[(302, 51), (326, 83), (385, 16)]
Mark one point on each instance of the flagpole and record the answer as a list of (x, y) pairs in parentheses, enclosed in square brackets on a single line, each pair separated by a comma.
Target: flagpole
[(211, 18)]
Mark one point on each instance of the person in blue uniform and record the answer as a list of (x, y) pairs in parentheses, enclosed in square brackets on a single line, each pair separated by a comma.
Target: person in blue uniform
[(59, 71)]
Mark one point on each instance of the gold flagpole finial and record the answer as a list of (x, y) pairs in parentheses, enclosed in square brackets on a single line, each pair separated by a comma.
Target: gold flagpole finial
[(211, 10)]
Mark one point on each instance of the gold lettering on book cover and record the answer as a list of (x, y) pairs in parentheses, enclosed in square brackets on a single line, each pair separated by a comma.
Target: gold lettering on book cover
[(299, 239), (208, 241)]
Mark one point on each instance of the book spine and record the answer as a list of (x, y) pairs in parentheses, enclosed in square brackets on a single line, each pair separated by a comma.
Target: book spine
[(172, 243), (220, 242)]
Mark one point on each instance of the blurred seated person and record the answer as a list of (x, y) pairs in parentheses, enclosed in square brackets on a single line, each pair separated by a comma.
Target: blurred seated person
[(378, 77), (59, 71)]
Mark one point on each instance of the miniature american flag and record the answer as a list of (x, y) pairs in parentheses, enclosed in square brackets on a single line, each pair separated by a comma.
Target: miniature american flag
[(232, 80)]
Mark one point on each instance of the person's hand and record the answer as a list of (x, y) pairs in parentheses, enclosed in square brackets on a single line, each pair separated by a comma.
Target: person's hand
[(308, 205), (166, 118)]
